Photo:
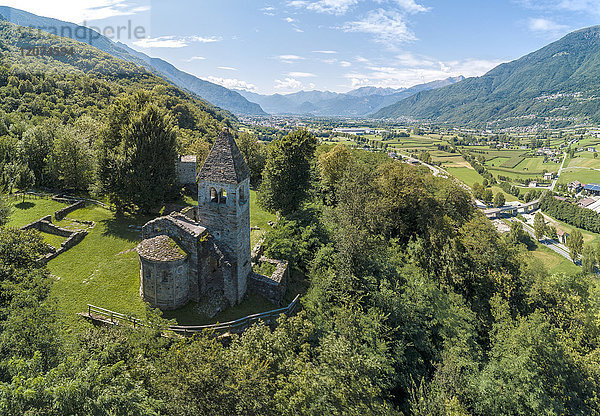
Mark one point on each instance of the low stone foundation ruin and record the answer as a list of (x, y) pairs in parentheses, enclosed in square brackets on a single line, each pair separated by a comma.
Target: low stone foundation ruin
[(271, 287), (63, 212), (45, 225)]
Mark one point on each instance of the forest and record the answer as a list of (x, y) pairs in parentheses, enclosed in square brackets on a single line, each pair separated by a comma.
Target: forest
[(415, 305)]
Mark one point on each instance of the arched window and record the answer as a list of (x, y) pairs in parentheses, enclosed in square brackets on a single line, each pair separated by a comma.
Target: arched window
[(214, 197), (223, 197), (242, 194)]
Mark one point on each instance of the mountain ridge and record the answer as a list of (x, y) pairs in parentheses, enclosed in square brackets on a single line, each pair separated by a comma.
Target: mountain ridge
[(213, 93), (555, 85), (355, 103)]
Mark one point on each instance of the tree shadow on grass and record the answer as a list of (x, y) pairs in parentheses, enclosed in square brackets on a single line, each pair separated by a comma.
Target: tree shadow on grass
[(125, 227), (24, 205)]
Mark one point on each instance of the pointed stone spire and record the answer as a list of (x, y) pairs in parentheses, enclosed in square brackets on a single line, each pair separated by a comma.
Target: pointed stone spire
[(225, 163)]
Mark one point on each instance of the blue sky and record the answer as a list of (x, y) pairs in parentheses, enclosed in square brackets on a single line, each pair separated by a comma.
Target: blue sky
[(336, 45)]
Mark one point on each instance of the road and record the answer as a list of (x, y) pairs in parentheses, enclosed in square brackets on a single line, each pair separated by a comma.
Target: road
[(558, 173), (551, 244)]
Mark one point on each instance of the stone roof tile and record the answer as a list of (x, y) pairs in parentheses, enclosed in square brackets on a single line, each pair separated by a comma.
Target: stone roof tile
[(225, 163), (161, 248)]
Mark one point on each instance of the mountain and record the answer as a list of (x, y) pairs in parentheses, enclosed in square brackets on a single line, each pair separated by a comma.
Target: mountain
[(85, 81), (554, 86), (356, 103), (215, 94)]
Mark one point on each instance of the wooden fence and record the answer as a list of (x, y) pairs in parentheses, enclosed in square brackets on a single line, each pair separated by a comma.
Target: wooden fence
[(106, 316)]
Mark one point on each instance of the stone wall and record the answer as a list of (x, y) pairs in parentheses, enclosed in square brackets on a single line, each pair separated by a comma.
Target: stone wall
[(271, 287), (229, 222), (164, 285), (61, 213), (45, 225)]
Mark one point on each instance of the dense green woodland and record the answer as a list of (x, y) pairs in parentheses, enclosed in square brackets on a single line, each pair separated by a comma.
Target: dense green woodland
[(414, 304), (58, 116)]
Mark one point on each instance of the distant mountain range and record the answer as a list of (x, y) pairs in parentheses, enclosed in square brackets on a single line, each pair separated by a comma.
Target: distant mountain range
[(555, 86), (356, 103), (213, 93)]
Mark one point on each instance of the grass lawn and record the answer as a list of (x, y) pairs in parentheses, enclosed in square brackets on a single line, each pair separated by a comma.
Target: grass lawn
[(554, 263), (103, 269), (54, 240), (467, 175), (31, 210), (582, 175), (258, 218), (507, 197)]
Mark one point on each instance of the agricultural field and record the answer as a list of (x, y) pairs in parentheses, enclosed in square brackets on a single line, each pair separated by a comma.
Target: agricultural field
[(467, 175), (103, 269)]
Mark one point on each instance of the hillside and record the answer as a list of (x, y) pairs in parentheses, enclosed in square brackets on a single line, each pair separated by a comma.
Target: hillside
[(83, 81), (554, 86), (356, 103), (215, 94)]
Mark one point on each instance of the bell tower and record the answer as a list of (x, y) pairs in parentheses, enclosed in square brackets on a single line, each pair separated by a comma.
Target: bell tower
[(224, 208)]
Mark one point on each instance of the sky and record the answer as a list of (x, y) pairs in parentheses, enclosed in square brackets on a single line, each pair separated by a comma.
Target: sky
[(335, 45)]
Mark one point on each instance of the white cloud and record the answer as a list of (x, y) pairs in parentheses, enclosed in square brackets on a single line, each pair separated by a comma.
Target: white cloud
[(172, 41), (340, 7), (301, 75), (397, 76), (411, 6), (326, 52), (289, 59), (161, 42), (227, 68), (77, 11), (584, 6), (289, 20), (325, 6), (288, 84), (541, 25), (388, 27), (195, 58), (232, 83), (345, 64)]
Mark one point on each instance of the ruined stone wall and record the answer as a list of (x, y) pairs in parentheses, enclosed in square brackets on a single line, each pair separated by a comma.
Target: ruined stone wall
[(186, 172), (62, 213), (45, 225), (271, 287)]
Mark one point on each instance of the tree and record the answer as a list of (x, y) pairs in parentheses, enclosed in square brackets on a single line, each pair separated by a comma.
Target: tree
[(332, 166), (575, 244), (539, 226), (499, 199), (255, 154), (138, 154), (588, 259), (25, 180), (36, 147), (287, 173), (488, 196), (5, 210), (517, 233), (73, 159)]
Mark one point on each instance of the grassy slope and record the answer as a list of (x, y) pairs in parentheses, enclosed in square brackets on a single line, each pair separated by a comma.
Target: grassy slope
[(554, 262)]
